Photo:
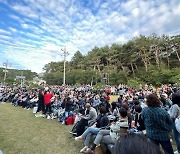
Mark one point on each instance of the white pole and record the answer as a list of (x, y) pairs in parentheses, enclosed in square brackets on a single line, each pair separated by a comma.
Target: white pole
[(64, 78), (5, 71)]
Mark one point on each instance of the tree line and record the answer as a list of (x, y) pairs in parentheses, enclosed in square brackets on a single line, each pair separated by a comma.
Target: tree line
[(12, 73), (144, 59)]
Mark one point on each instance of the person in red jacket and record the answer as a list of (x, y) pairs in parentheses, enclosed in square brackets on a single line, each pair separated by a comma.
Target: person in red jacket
[(47, 102)]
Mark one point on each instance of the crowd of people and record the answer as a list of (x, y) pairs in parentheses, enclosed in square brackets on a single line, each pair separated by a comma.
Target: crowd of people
[(137, 122)]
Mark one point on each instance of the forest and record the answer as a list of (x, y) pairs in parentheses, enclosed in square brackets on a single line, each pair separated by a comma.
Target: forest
[(144, 59), (12, 73)]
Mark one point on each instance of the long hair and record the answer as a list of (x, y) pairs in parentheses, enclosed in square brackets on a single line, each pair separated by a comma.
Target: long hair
[(152, 100), (176, 99), (135, 144)]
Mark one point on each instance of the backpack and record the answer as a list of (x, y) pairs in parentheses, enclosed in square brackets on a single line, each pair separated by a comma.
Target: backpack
[(70, 120)]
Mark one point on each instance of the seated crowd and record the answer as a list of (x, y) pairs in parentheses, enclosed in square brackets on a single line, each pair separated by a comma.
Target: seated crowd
[(138, 122)]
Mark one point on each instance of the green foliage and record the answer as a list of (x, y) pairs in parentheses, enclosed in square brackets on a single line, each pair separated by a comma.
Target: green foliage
[(153, 60), (133, 83), (32, 85), (54, 78), (12, 73), (98, 86)]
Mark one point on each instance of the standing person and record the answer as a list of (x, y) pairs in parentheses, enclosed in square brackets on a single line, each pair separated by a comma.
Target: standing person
[(158, 123), (41, 102), (174, 113), (47, 102)]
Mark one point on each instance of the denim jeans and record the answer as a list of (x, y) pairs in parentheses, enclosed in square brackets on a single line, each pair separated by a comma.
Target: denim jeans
[(88, 133), (176, 137), (166, 145), (67, 113), (101, 135)]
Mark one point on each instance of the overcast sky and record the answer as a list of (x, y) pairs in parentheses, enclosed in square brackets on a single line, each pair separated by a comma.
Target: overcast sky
[(33, 32)]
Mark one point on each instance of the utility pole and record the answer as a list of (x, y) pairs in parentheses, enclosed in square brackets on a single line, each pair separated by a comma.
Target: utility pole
[(65, 54), (22, 80), (5, 71)]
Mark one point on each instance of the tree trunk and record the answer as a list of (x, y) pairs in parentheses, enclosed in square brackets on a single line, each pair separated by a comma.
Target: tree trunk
[(132, 70), (136, 67), (157, 59), (94, 67), (91, 81), (145, 64), (145, 59), (177, 54), (167, 57), (124, 72), (168, 62)]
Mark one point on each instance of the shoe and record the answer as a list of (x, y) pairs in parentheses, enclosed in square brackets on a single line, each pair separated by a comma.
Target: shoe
[(63, 122), (52, 118), (79, 138), (176, 152), (73, 133), (48, 117), (84, 149), (89, 151)]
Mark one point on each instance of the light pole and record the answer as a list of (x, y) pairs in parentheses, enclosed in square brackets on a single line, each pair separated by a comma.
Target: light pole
[(6, 64), (65, 54)]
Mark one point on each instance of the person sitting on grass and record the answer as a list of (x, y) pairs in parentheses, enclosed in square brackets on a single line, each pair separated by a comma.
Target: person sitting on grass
[(107, 136), (101, 122), (86, 120), (139, 127)]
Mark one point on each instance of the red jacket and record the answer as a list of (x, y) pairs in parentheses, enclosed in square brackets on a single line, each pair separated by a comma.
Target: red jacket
[(47, 98)]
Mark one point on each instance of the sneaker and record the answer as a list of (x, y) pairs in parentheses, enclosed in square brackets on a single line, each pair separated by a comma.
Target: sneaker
[(176, 152), (89, 151), (48, 117), (84, 149), (79, 138), (63, 122), (73, 133)]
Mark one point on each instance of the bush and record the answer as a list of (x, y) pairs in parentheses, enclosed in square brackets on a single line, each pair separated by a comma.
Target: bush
[(133, 83)]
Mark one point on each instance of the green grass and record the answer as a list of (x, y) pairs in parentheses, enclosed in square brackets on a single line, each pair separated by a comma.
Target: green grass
[(22, 133)]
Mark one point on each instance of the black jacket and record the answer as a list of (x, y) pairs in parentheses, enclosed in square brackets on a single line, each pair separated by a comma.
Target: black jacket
[(140, 121), (102, 121)]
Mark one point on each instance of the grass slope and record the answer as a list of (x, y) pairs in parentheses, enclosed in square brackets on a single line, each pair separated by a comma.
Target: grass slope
[(22, 133)]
